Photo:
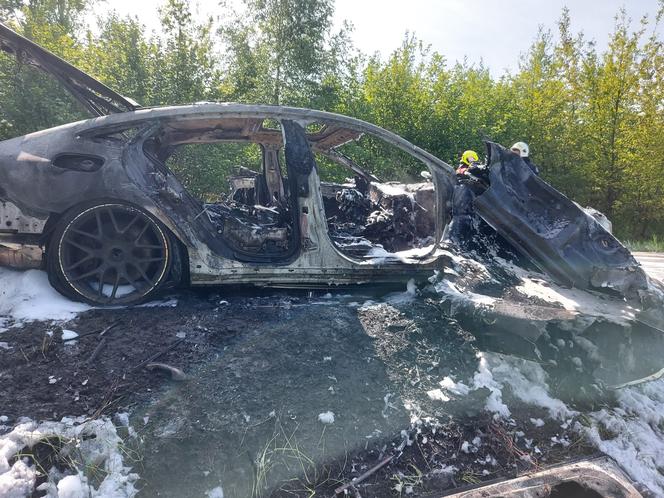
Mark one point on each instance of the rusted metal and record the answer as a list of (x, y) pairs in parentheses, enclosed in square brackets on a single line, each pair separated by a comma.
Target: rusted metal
[(20, 256), (589, 478)]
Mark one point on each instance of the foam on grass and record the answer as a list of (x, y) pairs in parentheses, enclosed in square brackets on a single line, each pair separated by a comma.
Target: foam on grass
[(27, 296), (92, 443)]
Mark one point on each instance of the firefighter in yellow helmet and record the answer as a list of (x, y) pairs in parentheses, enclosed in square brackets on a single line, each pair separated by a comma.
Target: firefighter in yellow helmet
[(470, 171), (468, 159), (472, 179)]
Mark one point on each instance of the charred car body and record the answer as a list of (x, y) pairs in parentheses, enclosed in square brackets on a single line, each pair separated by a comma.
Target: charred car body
[(96, 205)]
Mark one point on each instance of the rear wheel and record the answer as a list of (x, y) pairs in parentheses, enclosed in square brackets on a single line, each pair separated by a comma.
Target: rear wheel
[(109, 254)]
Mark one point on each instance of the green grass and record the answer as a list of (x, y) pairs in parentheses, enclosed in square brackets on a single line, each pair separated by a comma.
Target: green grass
[(655, 244)]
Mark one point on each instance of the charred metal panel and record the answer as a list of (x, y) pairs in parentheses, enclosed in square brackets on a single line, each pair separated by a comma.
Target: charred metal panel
[(12, 220), (272, 172), (553, 231), (30, 180), (297, 150)]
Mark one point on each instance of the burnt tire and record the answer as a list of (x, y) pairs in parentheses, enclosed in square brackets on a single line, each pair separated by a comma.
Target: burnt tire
[(110, 254)]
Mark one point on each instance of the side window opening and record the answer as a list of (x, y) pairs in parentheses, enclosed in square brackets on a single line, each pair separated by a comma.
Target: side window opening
[(207, 170), (369, 218), (237, 189)]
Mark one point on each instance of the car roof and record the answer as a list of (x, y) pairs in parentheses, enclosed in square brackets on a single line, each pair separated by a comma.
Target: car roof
[(235, 122)]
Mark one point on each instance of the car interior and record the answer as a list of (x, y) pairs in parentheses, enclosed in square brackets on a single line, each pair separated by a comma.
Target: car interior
[(249, 200)]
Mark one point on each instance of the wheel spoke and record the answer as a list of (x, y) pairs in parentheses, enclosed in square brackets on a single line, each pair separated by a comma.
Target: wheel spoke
[(131, 281), (88, 250), (87, 274), (129, 225), (85, 234), (100, 282), (116, 284), (100, 225), (79, 263), (144, 229), (149, 260), (114, 222), (149, 246), (143, 274)]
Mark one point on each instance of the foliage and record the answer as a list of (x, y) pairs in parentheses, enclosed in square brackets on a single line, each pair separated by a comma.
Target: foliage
[(281, 51), (654, 244), (204, 169), (594, 118)]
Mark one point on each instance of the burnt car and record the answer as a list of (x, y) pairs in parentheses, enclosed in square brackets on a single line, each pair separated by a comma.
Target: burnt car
[(96, 204)]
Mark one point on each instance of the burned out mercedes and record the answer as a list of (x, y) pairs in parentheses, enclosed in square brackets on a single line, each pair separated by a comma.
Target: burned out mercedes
[(97, 204)]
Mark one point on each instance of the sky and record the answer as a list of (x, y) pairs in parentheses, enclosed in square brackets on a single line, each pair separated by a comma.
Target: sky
[(495, 32)]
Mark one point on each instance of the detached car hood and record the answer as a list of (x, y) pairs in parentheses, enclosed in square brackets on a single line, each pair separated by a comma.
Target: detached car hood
[(96, 97), (553, 231)]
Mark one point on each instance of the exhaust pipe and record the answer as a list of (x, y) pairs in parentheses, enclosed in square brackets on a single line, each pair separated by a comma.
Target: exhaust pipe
[(21, 256)]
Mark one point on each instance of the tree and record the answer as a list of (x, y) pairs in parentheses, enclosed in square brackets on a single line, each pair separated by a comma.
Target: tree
[(29, 99), (124, 58), (186, 68), (280, 51)]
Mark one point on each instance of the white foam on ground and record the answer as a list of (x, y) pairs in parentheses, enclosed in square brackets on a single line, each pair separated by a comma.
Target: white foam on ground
[(217, 492), (68, 335), (633, 431), (102, 451), (437, 395), (527, 381), (458, 388), (326, 417), (483, 378), (638, 426), (27, 296)]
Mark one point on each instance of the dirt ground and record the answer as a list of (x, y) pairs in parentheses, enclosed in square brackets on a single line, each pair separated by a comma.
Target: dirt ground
[(260, 370)]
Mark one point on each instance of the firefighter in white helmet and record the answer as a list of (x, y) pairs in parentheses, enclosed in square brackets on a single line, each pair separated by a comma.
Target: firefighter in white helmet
[(522, 150)]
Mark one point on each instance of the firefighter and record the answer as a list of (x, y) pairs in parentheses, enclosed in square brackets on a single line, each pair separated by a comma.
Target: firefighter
[(471, 172), (522, 150), (468, 158), (471, 180)]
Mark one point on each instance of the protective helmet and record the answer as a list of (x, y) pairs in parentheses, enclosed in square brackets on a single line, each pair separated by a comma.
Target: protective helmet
[(521, 148), (469, 157)]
